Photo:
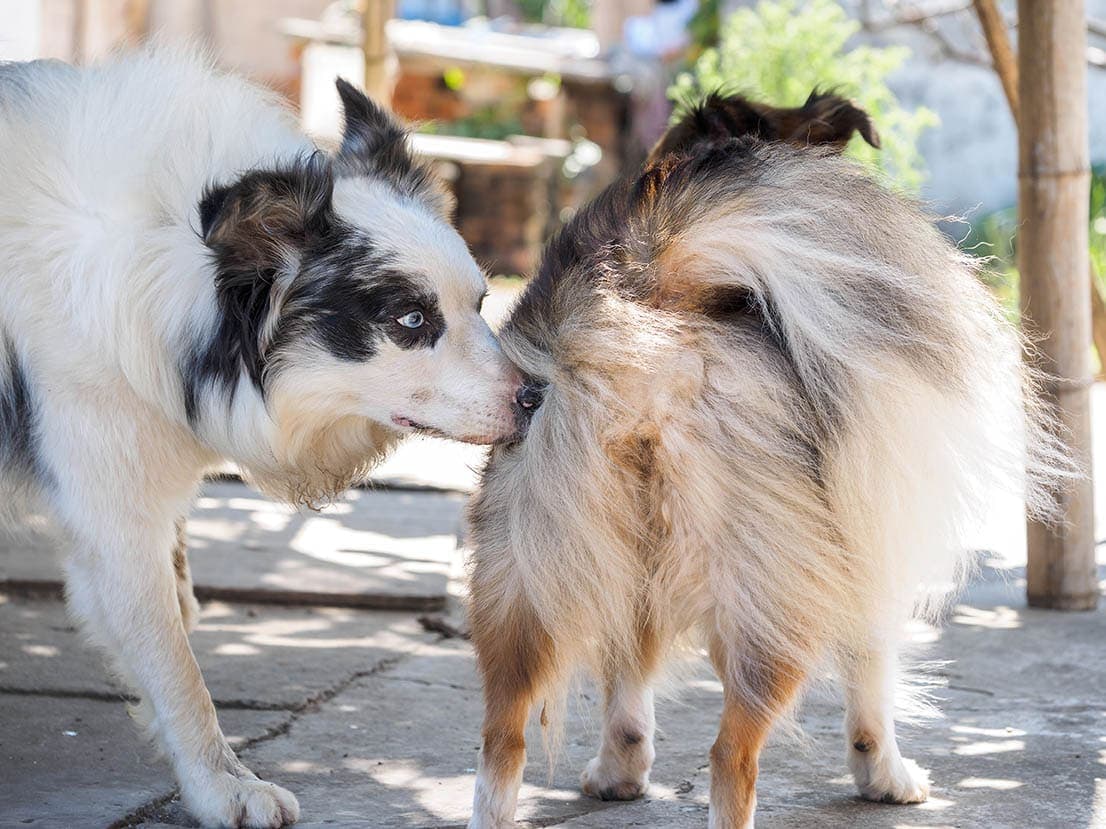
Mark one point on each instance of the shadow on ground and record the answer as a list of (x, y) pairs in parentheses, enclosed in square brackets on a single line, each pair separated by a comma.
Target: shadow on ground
[(373, 722)]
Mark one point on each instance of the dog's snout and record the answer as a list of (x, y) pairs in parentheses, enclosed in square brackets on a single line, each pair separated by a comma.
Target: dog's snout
[(528, 397)]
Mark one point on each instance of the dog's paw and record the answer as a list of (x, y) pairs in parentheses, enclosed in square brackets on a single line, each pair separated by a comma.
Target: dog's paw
[(605, 784), (894, 781), (241, 802)]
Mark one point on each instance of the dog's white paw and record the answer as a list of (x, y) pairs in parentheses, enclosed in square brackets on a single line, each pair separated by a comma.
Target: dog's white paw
[(889, 779), (238, 801), (612, 783)]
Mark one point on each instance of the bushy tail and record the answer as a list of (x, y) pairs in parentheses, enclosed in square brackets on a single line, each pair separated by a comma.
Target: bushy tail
[(927, 409)]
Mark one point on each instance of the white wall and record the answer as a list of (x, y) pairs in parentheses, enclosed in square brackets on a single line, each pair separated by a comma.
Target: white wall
[(20, 29)]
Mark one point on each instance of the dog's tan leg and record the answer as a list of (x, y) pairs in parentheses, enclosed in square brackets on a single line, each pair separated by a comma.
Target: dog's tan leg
[(516, 659), (744, 729), (186, 597), (621, 769), (880, 771)]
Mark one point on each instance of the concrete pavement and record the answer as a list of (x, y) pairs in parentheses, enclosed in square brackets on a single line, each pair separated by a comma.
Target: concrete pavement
[(374, 722)]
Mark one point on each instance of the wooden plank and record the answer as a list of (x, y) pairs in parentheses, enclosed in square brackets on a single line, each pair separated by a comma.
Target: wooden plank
[(1053, 195)]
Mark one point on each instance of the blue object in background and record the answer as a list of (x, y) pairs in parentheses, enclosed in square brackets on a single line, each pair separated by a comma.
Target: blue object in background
[(445, 12)]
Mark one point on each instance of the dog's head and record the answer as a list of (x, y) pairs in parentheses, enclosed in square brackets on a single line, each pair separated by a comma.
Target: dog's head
[(345, 294)]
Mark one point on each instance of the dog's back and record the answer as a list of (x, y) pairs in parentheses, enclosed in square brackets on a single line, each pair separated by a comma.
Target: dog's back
[(99, 234)]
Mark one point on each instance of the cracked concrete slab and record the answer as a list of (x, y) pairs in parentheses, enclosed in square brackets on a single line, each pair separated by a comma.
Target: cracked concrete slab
[(80, 763), (256, 656), (378, 549), (1020, 746)]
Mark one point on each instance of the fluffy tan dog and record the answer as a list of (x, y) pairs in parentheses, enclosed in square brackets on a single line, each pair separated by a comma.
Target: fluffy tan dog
[(775, 400)]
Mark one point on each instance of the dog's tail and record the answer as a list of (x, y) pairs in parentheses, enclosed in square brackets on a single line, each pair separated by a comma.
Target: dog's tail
[(925, 410)]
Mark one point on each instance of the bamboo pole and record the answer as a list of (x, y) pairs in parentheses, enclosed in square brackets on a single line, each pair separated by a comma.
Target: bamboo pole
[(374, 44), (1002, 56), (1053, 195)]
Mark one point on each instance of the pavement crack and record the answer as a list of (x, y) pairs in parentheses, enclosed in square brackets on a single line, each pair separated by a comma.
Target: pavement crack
[(65, 693), (968, 689), (253, 705), (456, 686), (144, 812), (151, 809)]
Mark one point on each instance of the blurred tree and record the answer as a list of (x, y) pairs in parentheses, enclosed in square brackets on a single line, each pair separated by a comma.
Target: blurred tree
[(575, 14), (780, 50)]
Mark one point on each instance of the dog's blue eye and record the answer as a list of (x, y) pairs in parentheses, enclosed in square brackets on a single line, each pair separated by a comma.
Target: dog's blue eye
[(411, 320)]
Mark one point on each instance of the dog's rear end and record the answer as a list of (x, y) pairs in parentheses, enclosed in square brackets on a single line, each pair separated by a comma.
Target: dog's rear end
[(775, 398)]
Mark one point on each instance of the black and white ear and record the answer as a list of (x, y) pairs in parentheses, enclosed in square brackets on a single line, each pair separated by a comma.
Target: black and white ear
[(373, 141), (253, 223)]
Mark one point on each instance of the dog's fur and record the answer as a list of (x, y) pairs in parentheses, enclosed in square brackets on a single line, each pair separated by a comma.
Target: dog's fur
[(776, 399), (186, 278)]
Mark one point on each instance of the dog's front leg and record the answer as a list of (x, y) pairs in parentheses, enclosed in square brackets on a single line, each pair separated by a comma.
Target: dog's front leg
[(121, 584)]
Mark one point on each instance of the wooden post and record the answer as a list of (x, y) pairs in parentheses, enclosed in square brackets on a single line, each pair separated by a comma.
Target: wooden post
[(137, 21), (1053, 195), (374, 15), (1002, 56)]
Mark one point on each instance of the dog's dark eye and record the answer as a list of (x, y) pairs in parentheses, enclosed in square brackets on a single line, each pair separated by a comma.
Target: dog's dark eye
[(412, 319)]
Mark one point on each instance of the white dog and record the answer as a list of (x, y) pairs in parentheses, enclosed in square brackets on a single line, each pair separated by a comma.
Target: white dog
[(186, 278)]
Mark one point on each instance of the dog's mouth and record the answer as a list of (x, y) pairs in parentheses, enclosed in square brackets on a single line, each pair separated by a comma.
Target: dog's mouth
[(423, 429), (408, 423)]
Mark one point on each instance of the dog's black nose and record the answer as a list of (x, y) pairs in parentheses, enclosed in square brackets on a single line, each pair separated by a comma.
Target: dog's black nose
[(529, 397)]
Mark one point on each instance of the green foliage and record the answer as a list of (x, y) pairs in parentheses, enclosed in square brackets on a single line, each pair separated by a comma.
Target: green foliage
[(995, 237), (703, 27), (575, 14), (492, 122), (1098, 223), (780, 50)]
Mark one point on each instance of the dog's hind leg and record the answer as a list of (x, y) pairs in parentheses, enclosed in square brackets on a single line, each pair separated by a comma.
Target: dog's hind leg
[(516, 659), (878, 768), (621, 769), (744, 728), (186, 596)]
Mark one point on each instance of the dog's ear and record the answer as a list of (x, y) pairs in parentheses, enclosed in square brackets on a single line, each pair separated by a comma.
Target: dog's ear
[(253, 223), (825, 119), (373, 141)]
